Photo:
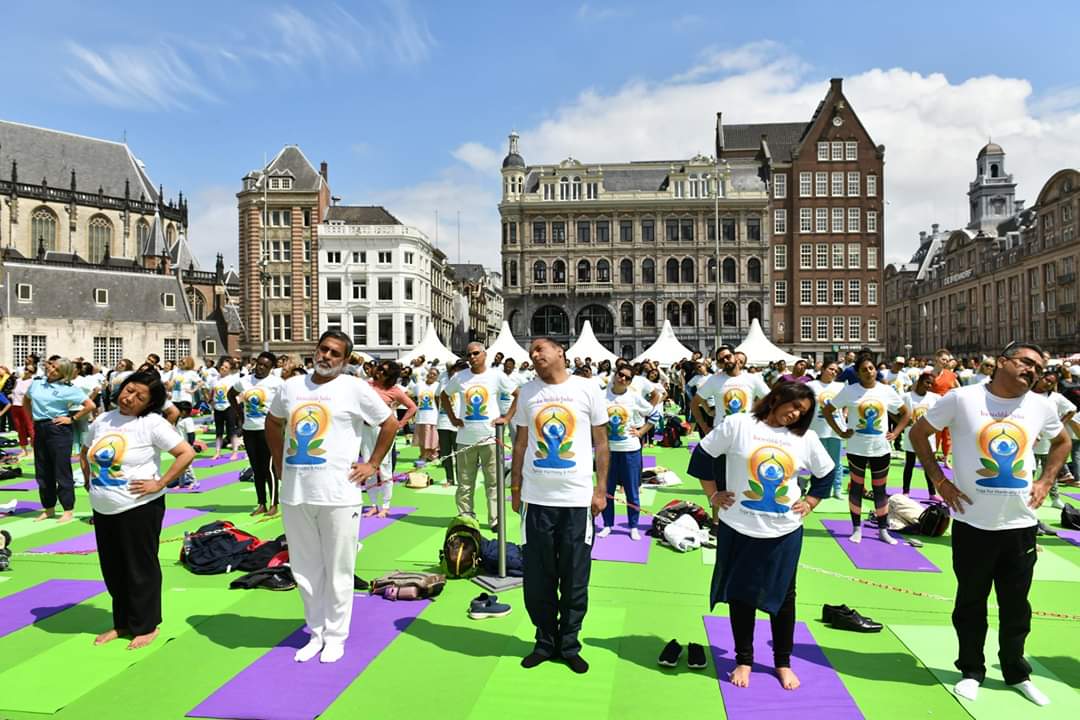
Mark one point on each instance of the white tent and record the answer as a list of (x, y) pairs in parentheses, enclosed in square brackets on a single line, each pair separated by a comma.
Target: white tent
[(667, 349), (587, 346), (760, 350), (430, 347), (508, 346)]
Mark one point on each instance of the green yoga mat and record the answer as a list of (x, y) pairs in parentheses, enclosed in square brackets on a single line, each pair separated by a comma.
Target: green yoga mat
[(50, 680), (708, 556), (439, 489), (25, 526), (935, 646), (511, 691), (1054, 567)]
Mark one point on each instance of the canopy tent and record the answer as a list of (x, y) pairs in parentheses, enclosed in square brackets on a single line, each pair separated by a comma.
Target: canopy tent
[(667, 349), (759, 349), (587, 346), (430, 347), (508, 346)]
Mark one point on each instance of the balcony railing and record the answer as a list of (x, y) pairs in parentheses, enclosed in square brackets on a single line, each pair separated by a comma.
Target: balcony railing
[(1066, 278), (1067, 308), (593, 288)]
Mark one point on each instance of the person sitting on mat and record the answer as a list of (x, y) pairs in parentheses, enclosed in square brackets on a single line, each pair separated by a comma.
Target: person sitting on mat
[(994, 498), (630, 417), (760, 528), (868, 403), (122, 473)]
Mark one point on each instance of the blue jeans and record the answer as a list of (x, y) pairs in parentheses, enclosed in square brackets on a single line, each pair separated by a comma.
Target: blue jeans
[(624, 469), (832, 446)]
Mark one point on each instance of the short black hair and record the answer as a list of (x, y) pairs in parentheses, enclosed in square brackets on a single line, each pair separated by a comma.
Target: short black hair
[(337, 335), (153, 383), (269, 356), (785, 392)]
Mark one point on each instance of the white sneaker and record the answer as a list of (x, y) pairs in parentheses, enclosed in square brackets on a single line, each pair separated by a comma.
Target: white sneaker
[(1056, 503), (856, 536), (635, 534), (968, 688), (1032, 693), (604, 532)]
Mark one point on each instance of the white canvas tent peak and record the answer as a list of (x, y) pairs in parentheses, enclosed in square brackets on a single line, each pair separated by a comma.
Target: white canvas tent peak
[(759, 349), (508, 346), (587, 346), (430, 347), (667, 349)]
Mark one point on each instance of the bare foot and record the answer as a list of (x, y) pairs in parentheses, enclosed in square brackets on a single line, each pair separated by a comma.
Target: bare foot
[(107, 636), (384, 513), (371, 512), (235, 456), (45, 516), (788, 679), (66, 517), (259, 510), (141, 641), (740, 676), (272, 511)]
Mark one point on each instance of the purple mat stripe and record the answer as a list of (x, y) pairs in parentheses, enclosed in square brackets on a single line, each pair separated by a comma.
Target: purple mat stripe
[(371, 525), (1073, 495), (647, 461), (223, 460), (21, 485), (821, 695), (40, 601), (874, 554), (22, 506), (275, 687), (618, 547), (210, 483), (1070, 536), (86, 543)]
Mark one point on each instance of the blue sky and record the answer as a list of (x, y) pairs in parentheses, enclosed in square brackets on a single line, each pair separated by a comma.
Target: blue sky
[(410, 102)]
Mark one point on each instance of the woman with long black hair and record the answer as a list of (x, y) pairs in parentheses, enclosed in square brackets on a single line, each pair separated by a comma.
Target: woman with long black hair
[(760, 513), (250, 398)]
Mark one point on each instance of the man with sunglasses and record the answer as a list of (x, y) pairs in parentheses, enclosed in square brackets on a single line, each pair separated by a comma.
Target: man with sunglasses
[(994, 495), (480, 387)]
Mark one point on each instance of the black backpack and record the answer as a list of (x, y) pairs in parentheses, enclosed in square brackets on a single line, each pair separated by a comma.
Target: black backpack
[(1070, 517), (218, 547), (676, 509)]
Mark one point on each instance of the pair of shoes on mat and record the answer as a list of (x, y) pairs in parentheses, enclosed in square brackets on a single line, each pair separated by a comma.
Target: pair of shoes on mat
[(603, 532), (486, 606), (842, 617), (695, 655)]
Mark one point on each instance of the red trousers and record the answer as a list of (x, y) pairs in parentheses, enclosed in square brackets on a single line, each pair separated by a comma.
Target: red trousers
[(20, 416)]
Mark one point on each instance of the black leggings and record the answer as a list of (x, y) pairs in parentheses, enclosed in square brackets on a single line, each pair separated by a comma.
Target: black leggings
[(447, 445), (742, 617), (258, 453), (225, 424), (909, 467)]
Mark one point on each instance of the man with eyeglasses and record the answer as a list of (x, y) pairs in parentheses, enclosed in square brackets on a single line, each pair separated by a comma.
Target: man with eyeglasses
[(993, 495), (480, 387)]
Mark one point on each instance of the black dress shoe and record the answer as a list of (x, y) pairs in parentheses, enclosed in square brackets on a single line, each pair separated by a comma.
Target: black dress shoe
[(855, 622), (577, 664), (670, 655), (828, 612), (533, 659), (695, 657)]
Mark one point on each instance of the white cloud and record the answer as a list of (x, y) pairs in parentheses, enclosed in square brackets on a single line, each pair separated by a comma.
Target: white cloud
[(477, 156), (146, 78), (213, 225), (587, 12)]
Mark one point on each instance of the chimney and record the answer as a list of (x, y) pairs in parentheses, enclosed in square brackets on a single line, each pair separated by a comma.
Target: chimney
[(836, 84), (323, 171)]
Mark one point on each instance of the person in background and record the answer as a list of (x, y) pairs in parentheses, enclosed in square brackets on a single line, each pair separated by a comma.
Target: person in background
[(918, 401), (1047, 386), (944, 381), (984, 371), (225, 430), (20, 412), (251, 397), (798, 372), (630, 417), (425, 390), (825, 388), (385, 384), (448, 430)]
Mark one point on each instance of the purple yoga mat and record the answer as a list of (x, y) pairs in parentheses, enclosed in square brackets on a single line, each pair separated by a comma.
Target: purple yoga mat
[(275, 687), (209, 462), (372, 525), (647, 461), (86, 543), (692, 446), (38, 602), (210, 483), (821, 695), (22, 506), (1073, 495), (874, 554), (618, 547), (1070, 536), (21, 485)]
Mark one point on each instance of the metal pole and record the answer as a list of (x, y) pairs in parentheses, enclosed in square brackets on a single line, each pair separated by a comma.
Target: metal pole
[(716, 237), (500, 482)]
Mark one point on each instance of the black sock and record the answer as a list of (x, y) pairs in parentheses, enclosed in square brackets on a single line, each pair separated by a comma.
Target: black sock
[(856, 521)]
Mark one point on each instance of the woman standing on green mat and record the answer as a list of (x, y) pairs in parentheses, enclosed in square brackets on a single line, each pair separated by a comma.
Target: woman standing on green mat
[(759, 533), (127, 492)]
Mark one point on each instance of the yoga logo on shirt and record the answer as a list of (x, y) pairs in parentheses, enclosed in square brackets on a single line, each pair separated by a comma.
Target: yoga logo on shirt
[(1001, 443), (255, 403), (309, 424), (770, 469), (870, 413), (476, 399), (427, 401), (735, 400), (824, 399), (219, 396), (618, 421), (107, 454), (917, 413), (177, 386), (554, 423)]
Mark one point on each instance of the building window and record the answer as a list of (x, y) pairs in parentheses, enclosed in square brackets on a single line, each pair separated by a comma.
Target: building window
[(558, 231), (175, 348), (409, 258), (512, 273), (603, 231), (780, 186), (386, 329), (871, 258), (871, 329), (333, 322), (307, 286), (648, 314), (626, 315), (780, 257), (386, 257), (603, 271), (871, 185), (584, 271), (854, 292), (838, 220), (727, 230), (386, 288), (648, 231), (753, 270), (307, 326), (43, 228), (583, 229), (359, 330), (626, 272), (806, 184), (853, 216), (806, 292), (108, 351), (333, 257), (853, 251), (410, 329), (823, 151), (838, 327), (822, 256), (626, 231), (753, 229), (779, 222), (806, 256), (806, 220), (359, 289), (822, 328), (333, 289), (822, 292), (100, 232), (838, 184), (821, 184), (23, 345), (727, 270), (671, 230), (780, 292), (837, 150), (806, 328), (871, 292), (854, 328), (838, 256), (539, 231), (408, 291), (851, 150), (853, 184), (540, 272), (648, 271), (838, 292), (168, 301), (513, 233), (871, 221), (280, 327), (821, 220)]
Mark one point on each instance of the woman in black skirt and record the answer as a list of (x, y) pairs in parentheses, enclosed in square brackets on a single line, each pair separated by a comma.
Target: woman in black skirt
[(760, 513)]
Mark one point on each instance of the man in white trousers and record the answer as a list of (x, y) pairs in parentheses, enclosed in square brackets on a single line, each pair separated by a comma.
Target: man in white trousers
[(313, 429)]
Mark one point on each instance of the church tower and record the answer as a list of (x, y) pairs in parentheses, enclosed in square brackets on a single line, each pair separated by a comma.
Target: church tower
[(992, 196)]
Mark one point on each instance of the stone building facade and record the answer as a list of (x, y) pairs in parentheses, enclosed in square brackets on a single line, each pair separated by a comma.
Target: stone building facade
[(481, 293), (442, 296)]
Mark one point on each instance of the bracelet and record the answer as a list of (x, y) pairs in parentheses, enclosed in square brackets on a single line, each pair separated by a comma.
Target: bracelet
[(715, 493)]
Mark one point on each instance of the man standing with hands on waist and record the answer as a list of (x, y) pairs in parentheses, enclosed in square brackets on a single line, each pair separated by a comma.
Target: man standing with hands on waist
[(560, 427), (994, 496)]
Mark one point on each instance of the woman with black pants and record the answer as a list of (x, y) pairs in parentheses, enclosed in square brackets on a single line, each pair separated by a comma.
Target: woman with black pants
[(250, 397), (56, 405), (759, 533), (224, 413), (127, 492)]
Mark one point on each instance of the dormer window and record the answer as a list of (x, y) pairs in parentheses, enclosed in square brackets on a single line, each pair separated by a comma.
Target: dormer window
[(101, 296), (168, 301), (274, 183), (24, 292)]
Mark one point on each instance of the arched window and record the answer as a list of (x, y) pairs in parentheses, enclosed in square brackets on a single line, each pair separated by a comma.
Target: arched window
[(712, 270), (753, 270), (648, 271), (170, 235), (197, 303), (577, 188), (710, 313), (564, 188), (627, 351), (730, 314), (648, 314), (753, 311), (42, 227), (550, 320), (671, 270), (688, 273), (673, 313), (540, 272), (100, 237), (688, 314), (626, 271), (558, 272), (600, 318), (584, 271), (603, 271), (728, 269), (994, 170), (626, 315), (142, 235)]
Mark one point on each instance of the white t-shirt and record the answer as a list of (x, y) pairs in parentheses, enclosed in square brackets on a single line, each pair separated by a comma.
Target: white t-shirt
[(993, 457), (628, 410), (762, 470), (823, 394), (219, 395), (732, 395), (479, 400), (558, 460), (87, 383), (209, 375), (867, 415), (444, 419), (256, 396), (123, 449), (979, 379), (917, 405), (506, 392), (322, 437), (1063, 407), (898, 381), (646, 387), (186, 426), (182, 384), (965, 376), (427, 401)]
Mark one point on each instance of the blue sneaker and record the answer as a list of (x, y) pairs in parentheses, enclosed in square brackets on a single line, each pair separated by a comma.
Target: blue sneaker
[(490, 607)]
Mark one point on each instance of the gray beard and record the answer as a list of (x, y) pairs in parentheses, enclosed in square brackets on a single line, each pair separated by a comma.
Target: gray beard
[(328, 371)]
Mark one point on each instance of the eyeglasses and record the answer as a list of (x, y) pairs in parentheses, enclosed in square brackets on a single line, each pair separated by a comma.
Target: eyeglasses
[(474, 353), (625, 377), (1030, 363)]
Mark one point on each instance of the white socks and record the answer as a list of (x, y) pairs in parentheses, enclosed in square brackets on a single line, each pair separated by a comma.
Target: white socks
[(604, 532), (886, 537), (331, 653), (1032, 693), (308, 651), (968, 688), (856, 535)]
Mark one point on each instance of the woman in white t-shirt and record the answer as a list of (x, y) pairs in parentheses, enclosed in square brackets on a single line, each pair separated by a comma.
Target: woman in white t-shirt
[(825, 388), (759, 533), (868, 404), (918, 401), (251, 397), (127, 491), (1047, 385), (225, 429), (630, 417), (426, 391)]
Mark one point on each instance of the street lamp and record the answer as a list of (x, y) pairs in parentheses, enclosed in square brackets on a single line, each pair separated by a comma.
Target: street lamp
[(264, 280)]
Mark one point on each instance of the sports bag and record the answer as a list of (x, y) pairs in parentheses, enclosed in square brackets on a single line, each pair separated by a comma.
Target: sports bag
[(676, 509), (217, 547), (934, 521), (408, 585), (1070, 517), (460, 553), (489, 558)]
